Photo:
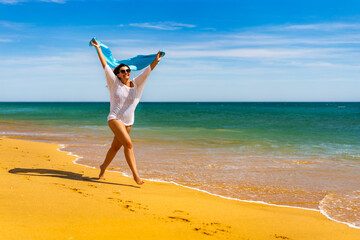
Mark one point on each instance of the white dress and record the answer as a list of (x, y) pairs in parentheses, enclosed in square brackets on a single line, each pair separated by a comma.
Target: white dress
[(124, 99)]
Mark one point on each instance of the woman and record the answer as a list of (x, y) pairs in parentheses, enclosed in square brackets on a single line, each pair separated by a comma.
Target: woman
[(124, 96)]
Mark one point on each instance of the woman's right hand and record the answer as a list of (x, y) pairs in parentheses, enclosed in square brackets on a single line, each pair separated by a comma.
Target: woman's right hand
[(98, 49), (95, 43)]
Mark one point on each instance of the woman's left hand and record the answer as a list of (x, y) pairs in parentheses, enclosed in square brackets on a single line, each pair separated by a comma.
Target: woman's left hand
[(158, 56), (157, 59)]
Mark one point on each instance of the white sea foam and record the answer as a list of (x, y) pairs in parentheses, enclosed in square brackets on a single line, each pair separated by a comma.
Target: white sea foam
[(337, 206), (11, 133), (71, 154)]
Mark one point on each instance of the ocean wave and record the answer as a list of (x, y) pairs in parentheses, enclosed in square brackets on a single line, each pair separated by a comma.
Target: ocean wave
[(342, 207), (34, 134)]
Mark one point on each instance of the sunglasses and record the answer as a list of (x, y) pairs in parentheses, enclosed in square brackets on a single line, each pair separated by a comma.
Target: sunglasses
[(125, 71)]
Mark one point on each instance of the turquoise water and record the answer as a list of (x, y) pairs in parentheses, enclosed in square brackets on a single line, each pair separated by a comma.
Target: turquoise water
[(309, 129), (295, 154)]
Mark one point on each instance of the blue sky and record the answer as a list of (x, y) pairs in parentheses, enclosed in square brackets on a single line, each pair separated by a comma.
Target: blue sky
[(215, 50)]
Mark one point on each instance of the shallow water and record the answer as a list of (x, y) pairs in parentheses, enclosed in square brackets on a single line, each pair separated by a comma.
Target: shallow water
[(295, 154)]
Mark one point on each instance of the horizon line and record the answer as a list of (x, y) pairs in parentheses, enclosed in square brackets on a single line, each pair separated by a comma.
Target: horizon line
[(185, 101)]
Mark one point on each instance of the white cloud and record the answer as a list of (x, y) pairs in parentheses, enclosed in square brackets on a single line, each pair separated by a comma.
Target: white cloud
[(5, 40), (64, 58), (324, 26), (261, 53), (53, 1), (162, 25), (276, 38), (13, 25), (11, 1)]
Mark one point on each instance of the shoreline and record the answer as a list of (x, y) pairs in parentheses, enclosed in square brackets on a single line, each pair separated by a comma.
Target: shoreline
[(207, 192), (62, 146), (46, 195)]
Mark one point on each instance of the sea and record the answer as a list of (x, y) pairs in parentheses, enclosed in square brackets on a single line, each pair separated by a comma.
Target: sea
[(292, 154)]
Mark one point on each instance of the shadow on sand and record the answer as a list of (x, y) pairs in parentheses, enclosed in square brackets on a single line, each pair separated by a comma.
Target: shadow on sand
[(61, 174)]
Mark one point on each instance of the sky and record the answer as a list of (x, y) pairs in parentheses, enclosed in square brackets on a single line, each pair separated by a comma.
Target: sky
[(245, 50)]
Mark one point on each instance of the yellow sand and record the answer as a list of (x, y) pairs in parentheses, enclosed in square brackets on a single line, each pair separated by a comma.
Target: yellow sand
[(46, 196)]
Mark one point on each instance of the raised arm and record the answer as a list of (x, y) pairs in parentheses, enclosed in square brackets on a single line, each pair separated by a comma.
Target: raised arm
[(157, 59), (98, 49)]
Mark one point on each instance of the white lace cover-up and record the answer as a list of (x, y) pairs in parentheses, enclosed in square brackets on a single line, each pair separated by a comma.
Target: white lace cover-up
[(124, 99)]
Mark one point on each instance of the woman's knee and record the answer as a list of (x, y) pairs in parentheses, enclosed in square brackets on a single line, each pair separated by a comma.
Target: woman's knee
[(121, 132)]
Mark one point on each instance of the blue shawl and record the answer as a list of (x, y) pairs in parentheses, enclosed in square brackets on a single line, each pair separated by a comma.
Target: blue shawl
[(136, 63)]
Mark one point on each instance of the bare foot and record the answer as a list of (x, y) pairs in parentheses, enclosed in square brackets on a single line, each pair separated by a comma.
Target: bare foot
[(138, 180), (102, 172)]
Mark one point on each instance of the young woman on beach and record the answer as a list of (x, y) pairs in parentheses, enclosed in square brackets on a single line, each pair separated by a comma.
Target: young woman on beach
[(124, 96)]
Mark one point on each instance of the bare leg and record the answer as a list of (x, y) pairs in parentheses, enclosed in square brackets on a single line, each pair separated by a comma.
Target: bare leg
[(122, 135), (115, 147)]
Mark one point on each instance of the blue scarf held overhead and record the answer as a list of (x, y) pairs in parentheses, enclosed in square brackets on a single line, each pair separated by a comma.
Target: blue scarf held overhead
[(136, 63)]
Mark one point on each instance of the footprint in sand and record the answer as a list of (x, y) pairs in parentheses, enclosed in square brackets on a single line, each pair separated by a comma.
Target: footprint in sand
[(78, 191), (203, 231), (179, 218), (281, 237), (213, 228), (137, 205), (115, 199), (129, 205), (180, 212), (75, 190)]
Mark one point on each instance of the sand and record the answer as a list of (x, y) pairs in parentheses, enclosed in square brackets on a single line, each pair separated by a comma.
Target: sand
[(44, 195)]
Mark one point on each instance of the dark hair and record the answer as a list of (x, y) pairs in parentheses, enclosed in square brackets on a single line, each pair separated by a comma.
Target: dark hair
[(117, 69)]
